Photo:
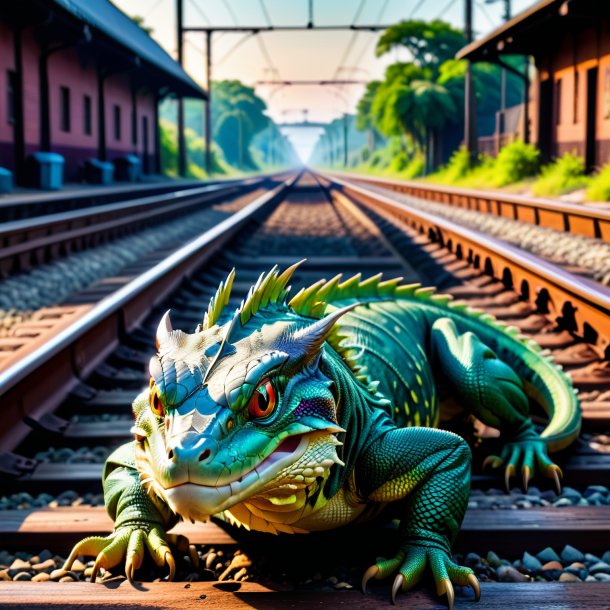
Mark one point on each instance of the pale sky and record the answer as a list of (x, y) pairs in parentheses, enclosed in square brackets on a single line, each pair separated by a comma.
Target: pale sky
[(300, 55)]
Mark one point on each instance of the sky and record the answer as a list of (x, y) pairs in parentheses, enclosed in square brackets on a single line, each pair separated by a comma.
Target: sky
[(304, 55)]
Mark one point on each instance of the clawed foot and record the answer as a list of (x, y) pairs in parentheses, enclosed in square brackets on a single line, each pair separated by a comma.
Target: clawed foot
[(411, 564), (129, 542), (526, 455)]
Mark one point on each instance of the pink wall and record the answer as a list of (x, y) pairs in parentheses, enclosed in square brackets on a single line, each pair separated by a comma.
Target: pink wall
[(6, 129), (31, 103), (66, 70)]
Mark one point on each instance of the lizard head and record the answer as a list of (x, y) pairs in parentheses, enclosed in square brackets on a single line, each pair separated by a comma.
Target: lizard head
[(240, 409)]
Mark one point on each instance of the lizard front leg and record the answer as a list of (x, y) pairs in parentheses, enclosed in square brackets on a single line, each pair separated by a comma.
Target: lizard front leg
[(488, 388), (428, 472), (140, 524)]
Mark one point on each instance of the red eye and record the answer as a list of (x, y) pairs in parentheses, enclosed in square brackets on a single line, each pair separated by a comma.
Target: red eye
[(263, 401), (156, 405)]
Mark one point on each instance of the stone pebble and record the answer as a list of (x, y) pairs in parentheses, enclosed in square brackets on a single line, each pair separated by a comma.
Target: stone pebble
[(51, 283), (585, 252), (566, 565)]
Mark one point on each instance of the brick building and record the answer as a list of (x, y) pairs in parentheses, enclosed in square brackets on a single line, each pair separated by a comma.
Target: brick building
[(568, 106), (83, 80)]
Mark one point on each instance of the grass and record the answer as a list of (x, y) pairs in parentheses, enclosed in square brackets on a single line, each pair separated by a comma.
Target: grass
[(565, 174), (599, 185)]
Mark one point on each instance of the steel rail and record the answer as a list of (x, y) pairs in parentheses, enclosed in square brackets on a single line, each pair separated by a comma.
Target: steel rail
[(21, 239), (40, 381), (583, 304), (578, 219)]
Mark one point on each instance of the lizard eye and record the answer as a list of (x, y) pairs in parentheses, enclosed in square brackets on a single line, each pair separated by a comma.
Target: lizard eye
[(263, 401), (156, 406)]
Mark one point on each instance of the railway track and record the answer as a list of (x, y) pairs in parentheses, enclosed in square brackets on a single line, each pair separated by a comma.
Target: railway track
[(75, 391)]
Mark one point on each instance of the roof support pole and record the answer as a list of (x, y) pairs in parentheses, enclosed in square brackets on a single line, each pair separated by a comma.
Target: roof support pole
[(208, 103), (470, 127), (101, 115), (157, 167), (18, 127), (180, 46)]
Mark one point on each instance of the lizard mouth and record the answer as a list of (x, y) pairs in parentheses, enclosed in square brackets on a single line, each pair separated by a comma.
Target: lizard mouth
[(201, 501)]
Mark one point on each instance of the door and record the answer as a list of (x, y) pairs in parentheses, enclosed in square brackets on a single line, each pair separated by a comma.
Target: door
[(145, 149), (590, 141)]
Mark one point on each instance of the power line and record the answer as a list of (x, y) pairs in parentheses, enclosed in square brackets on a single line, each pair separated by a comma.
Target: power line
[(265, 13), (352, 40), (368, 45), (201, 12), (235, 47), (230, 11), (267, 57), (416, 8), (489, 18), (155, 6), (446, 8)]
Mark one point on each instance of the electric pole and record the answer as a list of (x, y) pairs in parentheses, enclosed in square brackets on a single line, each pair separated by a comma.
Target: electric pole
[(180, 47), (470, 127)]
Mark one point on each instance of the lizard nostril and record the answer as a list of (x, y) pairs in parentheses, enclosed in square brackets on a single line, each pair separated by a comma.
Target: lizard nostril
[(205, 455), (170, 454)]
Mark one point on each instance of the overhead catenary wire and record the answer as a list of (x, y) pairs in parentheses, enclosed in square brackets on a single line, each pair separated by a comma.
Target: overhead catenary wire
[(200, 12), (352, 40), (370, 42), (266, 55), (236, 46), (230, 11), (265, 12), (417, 6)]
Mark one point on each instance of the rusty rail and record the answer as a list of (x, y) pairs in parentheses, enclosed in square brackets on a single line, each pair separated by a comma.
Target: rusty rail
[(74, 352), (26, 242), (578, 219), (583, 305)]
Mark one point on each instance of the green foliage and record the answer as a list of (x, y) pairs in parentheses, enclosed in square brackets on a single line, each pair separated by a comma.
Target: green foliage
[(515, 162), (599, 187), (430, 43), (562, 176), (363, 110)]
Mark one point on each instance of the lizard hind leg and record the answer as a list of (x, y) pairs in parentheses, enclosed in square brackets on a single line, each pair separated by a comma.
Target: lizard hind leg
[(490, 389)]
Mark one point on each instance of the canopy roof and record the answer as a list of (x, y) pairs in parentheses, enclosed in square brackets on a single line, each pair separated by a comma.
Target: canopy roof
[(106, 18)]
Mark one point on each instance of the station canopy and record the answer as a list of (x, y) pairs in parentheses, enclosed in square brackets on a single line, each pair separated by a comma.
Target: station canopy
[(106, 18)]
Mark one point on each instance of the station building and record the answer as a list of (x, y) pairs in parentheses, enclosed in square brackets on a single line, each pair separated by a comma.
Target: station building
[(81, 79), (567, 107)]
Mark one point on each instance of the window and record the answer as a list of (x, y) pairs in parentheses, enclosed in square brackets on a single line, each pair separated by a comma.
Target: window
[(558, 102), (11, 88), (576, 92), (64, 97), (117, 122), (87, 114)]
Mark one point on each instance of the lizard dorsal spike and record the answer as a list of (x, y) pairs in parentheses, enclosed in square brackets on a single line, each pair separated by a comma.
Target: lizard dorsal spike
[(270, 289), (163, 330), (218, 301)]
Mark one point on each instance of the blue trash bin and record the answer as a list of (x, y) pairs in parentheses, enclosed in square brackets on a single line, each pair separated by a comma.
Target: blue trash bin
[(6, 180), (127, 168), (98, 172), (47, 170)]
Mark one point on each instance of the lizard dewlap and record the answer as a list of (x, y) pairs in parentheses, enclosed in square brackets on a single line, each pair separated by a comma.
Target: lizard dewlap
[(300, 415)]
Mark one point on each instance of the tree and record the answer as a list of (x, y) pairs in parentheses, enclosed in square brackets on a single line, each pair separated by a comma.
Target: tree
[(429, 43), (139, 21)]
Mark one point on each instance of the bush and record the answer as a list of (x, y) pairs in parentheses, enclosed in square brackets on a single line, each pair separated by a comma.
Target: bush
[(563, 175), (399, 162), (458, 168), (515, 162), (415, 168), (599, 187)]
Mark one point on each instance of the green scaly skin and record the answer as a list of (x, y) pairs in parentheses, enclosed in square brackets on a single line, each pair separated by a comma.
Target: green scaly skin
[(305, 415)]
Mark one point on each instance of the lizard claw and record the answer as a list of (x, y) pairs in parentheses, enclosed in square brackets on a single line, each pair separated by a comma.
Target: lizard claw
[(474, 583), (169, 560), (508, 474), (526, 477), (372, 572), (554, 472), (492, 460), (445, 586), (399, 582)]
